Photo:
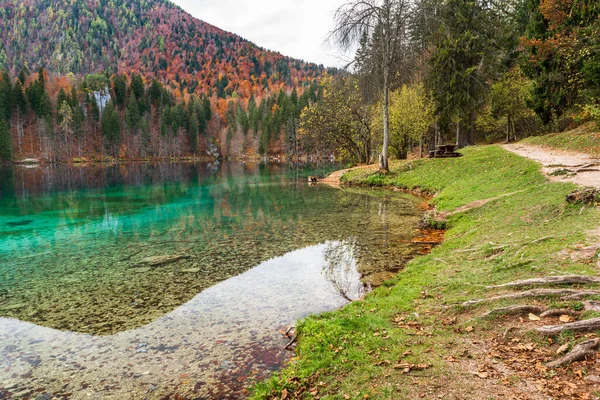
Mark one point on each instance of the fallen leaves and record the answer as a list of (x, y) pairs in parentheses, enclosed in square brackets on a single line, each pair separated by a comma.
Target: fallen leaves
[(533, 317), (565, 318), (527, 360), (408, 367), (562, 349), (482, 375)]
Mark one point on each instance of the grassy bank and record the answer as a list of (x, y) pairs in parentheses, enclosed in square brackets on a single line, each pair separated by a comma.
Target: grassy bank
[(584, 139), (410, 339)]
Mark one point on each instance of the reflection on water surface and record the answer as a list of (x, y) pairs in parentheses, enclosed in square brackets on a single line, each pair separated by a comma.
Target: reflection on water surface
[(109, 275)]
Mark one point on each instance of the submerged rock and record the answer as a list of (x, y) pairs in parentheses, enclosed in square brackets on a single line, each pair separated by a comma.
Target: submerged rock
[(20, 223), (191, 270), (157, 261)]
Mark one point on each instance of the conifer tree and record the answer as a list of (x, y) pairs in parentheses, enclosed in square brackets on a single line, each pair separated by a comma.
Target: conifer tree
[(5, 142), (110, 126)]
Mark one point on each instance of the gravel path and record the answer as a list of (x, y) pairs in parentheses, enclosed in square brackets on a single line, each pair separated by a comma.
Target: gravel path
[(582, 169)]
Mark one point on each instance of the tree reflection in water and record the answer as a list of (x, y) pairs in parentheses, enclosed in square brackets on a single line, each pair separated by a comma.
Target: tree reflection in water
[(340, 269)]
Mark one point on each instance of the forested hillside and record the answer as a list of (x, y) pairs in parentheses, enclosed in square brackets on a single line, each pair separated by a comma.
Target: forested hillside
[(434, 72), (102, 49)]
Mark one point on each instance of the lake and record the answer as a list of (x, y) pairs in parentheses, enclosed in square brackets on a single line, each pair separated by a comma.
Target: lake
[(175, 280)]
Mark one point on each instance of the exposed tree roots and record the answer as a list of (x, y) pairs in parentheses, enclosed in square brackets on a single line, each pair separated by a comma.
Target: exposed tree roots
[(579, 326), (579, 352), (592, 305), (557, 312), (565, 293), (586, 196), (513, 310), (554, 280)]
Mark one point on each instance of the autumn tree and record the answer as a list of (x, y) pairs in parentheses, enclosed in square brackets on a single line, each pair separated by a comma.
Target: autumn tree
[(509, 100), (562, 49), (340, 122), (384, 22), (412, 114)]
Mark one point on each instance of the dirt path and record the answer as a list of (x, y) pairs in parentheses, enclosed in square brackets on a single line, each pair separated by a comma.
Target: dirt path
[(560, 165)]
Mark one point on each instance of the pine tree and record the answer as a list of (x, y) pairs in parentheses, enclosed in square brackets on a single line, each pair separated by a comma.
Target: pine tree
[(137, 86), (132, 115), (207, 109), (6, 97), (120, 90), (242, 118), (110, 126), (5, 142)]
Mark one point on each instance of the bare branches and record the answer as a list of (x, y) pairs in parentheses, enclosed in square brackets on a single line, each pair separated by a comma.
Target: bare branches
[(352, 21)]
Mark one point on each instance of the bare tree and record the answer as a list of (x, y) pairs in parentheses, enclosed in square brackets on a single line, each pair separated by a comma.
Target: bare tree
[(385, 23)]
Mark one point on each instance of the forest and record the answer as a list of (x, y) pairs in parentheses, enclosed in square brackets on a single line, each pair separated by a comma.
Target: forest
[(178, 87), (429, 72), (62, 118), (143, 79)]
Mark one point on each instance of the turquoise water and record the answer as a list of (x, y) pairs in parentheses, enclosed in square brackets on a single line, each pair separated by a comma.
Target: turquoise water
[(195, 262)]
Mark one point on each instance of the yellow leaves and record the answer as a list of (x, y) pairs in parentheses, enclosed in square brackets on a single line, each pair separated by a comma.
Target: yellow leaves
[(562, 349), (565, 318), (541, 367), (411, 113), (533, 317)]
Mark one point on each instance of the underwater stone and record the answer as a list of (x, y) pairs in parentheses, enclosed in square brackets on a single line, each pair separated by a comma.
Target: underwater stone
[(157, 261)]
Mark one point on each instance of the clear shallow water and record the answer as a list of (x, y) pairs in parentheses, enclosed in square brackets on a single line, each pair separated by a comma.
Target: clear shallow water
[(86, 313)]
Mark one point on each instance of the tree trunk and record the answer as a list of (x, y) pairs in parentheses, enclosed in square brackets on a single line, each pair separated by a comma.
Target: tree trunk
[(461, 136), (514, 132), (471, 132), (383, 161)]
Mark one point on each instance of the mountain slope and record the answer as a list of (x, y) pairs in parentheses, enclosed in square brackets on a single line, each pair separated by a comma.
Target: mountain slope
[(171, 85), (153, 37)]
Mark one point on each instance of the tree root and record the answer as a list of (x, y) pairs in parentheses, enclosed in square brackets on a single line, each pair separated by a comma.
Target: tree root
[(584, 196), (592, 305), (557, 312), (512, 310), (289, 345), (569, 293), (554, 280), (579, 326), (579, 352)]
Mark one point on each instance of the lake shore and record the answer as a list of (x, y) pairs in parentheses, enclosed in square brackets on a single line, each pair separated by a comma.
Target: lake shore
[(417, 337)]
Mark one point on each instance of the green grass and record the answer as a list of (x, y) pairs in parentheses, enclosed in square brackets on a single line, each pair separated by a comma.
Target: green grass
[(585, 139), (345, 354)]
